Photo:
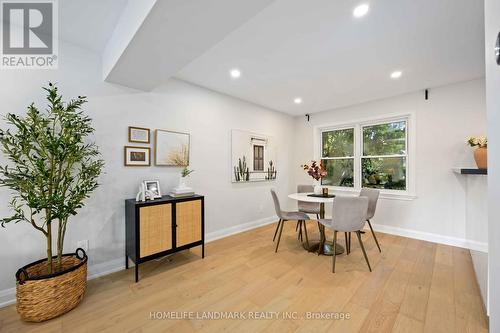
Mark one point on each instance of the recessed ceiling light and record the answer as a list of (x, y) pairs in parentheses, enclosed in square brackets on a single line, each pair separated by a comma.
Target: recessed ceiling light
[(297, 100), (235, 73), (361, 10), (396, 74)]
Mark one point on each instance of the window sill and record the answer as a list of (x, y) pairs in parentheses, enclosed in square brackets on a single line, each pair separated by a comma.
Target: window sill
[(387, 195)]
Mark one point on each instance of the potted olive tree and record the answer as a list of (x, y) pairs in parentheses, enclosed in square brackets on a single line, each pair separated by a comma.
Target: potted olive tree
[(52, 168)]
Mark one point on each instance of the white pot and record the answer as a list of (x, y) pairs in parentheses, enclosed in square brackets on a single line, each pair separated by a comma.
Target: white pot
[(317, 188), (182, 182)]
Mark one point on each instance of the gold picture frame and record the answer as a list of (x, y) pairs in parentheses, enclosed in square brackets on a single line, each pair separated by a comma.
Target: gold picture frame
[(137, 156), (135, 133), (172, 148)]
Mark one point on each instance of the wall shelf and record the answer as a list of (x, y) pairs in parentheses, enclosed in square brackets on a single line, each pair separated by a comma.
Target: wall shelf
[(471, 171)]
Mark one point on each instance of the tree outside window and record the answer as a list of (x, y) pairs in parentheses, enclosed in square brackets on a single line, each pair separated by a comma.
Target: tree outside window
[(379, 162), (338, 157), (384, 156)]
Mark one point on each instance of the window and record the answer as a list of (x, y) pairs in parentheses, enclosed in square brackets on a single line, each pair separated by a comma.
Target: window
[(338, 157), (383, 163), (258, 158), (367, 154)]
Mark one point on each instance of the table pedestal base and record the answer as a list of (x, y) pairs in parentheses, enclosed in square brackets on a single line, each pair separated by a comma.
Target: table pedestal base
[(327, 248)]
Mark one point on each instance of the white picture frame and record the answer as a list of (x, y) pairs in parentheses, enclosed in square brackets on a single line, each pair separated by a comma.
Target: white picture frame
[(153, 186)]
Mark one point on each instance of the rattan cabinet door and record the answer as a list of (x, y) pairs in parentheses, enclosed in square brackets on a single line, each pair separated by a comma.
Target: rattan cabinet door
[(155, 229), (188, 220)]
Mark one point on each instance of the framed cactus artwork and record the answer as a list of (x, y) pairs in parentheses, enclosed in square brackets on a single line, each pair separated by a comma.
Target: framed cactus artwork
[(253, 157)]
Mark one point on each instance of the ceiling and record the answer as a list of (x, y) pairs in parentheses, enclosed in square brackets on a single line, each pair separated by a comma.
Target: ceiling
[(285, 49), (320, 52), (88, 23)]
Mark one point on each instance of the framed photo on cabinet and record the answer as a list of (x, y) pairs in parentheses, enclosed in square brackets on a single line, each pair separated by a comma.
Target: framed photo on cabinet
[(154, 187)]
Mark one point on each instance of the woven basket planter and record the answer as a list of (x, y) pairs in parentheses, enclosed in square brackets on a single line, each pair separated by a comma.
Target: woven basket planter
[(41, 297)]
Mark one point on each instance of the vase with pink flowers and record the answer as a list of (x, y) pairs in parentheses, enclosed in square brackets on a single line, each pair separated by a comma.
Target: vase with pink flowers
[(317, 171)]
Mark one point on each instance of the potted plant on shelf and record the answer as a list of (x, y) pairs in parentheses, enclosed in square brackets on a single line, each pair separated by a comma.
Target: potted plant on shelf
[(481, 152), (52, 169), (317, 172)]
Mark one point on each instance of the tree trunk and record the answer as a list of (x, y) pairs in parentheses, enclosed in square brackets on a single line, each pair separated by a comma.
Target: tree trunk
[(49, 248), (60, 242), (59, 245)]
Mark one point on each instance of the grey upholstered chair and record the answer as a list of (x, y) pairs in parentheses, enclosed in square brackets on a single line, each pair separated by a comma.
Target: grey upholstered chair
[(307, 207), (286, 216), (349, 215), (372, 195)]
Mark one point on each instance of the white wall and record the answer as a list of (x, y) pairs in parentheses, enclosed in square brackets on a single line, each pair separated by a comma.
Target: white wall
[(452, 113), (443, 123), (492, 27), (207, 115)]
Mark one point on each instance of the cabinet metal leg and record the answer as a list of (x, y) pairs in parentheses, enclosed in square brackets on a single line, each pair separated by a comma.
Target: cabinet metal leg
[(126, 261), (136, 272), (203, 251)]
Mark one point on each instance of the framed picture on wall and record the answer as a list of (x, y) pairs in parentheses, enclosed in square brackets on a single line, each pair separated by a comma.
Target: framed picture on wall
[(138, 134), (171, 148), (153, 186), (137, 156)]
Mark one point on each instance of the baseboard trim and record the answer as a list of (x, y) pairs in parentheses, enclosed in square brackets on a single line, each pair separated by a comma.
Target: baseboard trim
[(431, 237), (8, 296), (226, 232)]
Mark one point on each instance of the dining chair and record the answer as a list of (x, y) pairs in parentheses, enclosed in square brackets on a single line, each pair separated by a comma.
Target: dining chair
[(306, 207), (349, 215), (372, 195), (287, 216)]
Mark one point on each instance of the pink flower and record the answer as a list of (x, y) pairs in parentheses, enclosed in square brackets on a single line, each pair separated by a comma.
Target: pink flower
[(314, 170)]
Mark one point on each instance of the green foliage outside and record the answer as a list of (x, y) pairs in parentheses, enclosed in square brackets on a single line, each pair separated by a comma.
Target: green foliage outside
[(52, 167), (339, 143), (384, 139), (378, 140)]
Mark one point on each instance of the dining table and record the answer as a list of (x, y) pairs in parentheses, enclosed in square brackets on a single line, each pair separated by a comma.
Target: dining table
[(315, 245)]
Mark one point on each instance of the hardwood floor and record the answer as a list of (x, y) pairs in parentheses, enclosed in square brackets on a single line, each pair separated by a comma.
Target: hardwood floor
[(415, 286)]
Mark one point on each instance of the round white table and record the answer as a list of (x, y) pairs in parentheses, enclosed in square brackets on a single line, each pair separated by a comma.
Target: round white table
[(315, 246)]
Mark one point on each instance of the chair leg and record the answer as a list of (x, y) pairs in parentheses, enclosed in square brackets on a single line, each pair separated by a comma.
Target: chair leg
[(334, 250), (349, 242), (299, 236), (346, 244), (374, 237), (301, 231), (305, 233), (276, 232), (279, 236), (297, 225), (363, 249)]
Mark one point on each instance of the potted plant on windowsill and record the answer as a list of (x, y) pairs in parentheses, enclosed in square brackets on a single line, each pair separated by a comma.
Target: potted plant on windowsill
[(52, 169), (481, 152), (317, 172)]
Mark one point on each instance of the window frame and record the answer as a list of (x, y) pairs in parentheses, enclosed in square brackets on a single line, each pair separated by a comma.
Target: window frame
[(358, 125), (353, 157)]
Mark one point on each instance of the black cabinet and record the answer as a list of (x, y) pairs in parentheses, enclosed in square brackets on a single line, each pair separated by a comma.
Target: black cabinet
[(163, 226)]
